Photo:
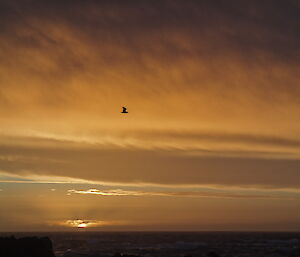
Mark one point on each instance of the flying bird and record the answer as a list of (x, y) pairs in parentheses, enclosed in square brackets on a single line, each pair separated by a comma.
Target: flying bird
[(124, 110)]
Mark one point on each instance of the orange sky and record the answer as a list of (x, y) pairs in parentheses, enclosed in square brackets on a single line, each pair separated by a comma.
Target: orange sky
[(211, 141)]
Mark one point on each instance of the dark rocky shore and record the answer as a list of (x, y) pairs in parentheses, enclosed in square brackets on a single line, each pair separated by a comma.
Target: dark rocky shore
[(26, 247)]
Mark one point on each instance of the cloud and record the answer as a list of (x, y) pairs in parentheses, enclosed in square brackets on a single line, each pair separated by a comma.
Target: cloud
[(159, 51), (196, 194), (180, 67), (116, 192), (211, 88), (78, 223), (188, 72), (77, 162)]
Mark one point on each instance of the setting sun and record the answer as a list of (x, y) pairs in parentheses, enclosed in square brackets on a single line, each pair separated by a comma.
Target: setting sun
[(82, 225)]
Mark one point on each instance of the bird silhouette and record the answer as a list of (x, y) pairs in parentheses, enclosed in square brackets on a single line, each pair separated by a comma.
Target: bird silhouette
[(124, 110)]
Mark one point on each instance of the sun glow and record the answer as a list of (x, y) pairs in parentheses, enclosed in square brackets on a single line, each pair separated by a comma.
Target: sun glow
[(82, 225), (79, 223)]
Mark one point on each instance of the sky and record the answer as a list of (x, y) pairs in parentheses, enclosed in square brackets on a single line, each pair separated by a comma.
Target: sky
[(211, 140)]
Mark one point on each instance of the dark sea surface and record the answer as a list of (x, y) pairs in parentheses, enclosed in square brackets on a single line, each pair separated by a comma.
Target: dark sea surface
[(177, 244)]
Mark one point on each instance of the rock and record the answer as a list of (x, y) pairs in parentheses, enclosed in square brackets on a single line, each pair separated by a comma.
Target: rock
[(26, 247)]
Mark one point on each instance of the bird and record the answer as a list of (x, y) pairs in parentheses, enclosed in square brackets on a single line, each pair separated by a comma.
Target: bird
[(124, 110)]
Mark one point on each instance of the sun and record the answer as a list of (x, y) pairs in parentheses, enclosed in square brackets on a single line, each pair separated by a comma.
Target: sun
[(82, 225)]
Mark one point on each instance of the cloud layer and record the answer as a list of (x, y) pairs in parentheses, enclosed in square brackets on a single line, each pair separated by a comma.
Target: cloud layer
[(196, 194), (133, 165)]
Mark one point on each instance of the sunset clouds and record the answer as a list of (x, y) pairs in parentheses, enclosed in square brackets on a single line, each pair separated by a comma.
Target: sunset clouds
[(196, 194), (212, 90)]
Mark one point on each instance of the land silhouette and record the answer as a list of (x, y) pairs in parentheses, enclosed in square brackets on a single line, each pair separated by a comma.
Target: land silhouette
[(26, 247)]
